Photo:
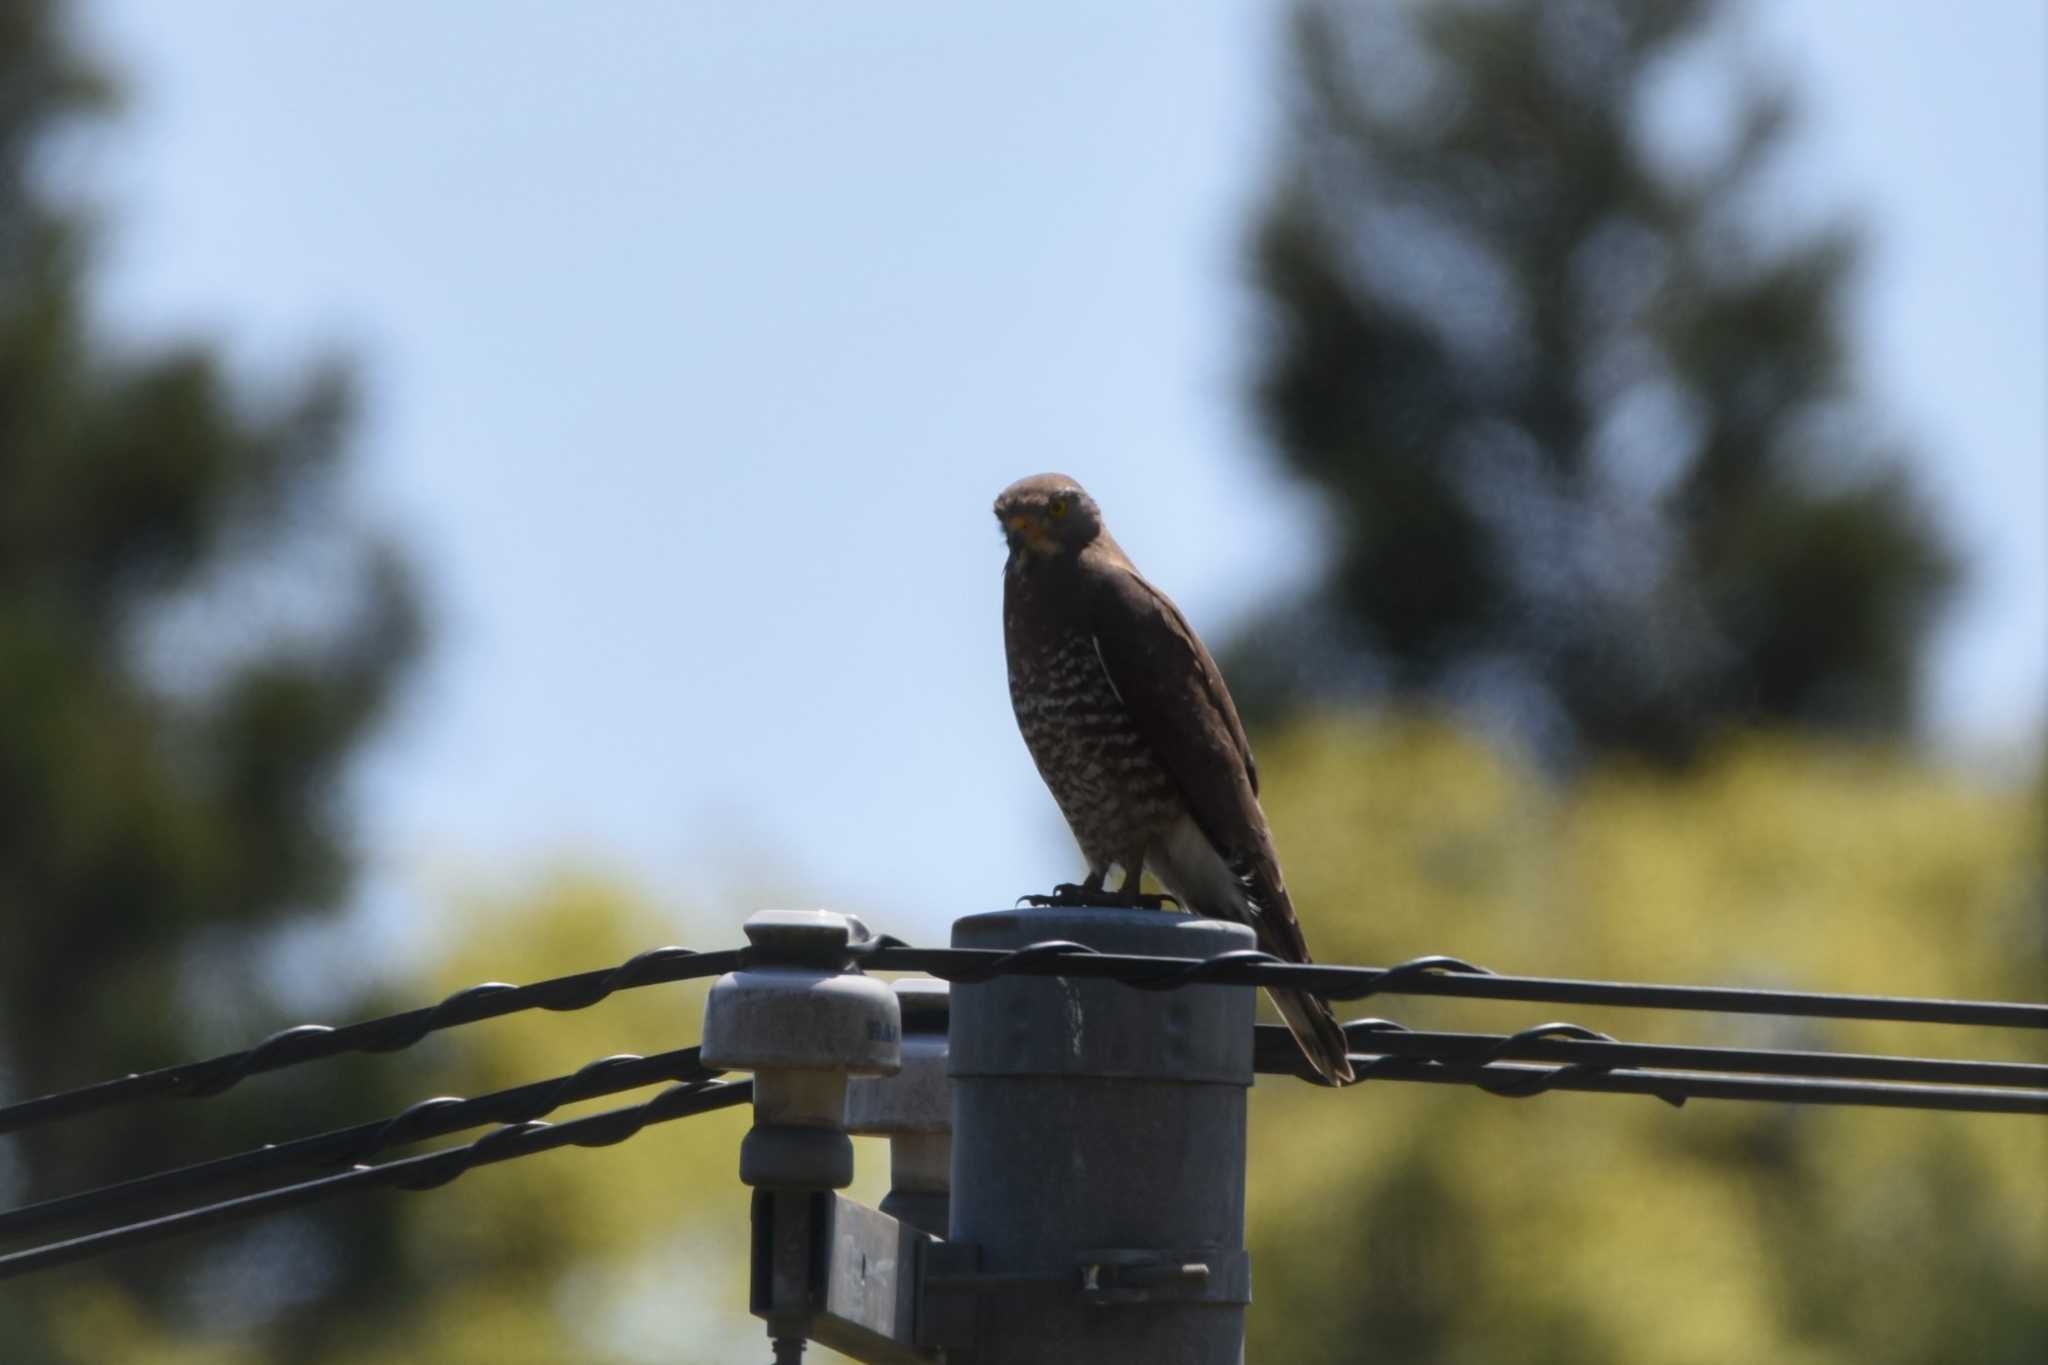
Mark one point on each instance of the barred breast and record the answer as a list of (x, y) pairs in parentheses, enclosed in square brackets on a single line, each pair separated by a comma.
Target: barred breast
[(1116, 798)]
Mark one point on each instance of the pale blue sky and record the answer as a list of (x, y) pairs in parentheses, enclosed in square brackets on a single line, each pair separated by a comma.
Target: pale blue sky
[(699, 337)]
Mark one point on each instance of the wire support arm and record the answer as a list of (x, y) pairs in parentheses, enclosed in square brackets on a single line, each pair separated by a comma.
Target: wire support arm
[(422, 1172), (391, 1033)]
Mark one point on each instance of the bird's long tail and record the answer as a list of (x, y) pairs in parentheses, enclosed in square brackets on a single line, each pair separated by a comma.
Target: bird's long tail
[(1315, 1028)]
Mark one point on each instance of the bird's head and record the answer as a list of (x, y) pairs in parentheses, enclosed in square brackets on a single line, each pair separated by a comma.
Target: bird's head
[(1047, 515)]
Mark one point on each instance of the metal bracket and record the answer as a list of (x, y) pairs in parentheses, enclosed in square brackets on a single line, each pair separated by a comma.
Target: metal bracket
[(841, 1274), (853, 1278)]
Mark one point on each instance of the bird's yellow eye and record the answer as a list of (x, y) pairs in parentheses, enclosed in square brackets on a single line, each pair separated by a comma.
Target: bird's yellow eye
[(1057, 508)]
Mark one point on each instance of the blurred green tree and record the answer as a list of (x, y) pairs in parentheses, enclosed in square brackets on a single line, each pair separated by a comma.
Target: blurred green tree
[(195, 638), (1585, 424)]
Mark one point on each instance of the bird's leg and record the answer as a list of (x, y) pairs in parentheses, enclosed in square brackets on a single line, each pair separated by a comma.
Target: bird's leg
[(1092, 892), (1088, 893), (1130, 895)]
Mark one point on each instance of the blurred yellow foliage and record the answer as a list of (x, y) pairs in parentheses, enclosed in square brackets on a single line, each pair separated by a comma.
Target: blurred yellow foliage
[(548, 1258), (1422, 1224)]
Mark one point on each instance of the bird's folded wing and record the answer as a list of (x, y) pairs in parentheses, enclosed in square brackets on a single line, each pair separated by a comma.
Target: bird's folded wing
[(1176, 695)]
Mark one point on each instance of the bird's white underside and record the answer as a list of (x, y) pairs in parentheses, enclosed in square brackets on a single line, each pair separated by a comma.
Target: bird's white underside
[(1191, 869)]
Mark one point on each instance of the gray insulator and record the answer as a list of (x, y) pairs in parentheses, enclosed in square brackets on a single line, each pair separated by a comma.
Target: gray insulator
[(803, 1019)]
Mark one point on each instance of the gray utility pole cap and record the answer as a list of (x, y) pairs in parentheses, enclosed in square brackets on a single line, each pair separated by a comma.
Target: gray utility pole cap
[(803, 1019), (914, 1110)]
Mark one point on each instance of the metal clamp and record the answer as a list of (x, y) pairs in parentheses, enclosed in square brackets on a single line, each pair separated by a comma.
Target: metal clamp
[(1118, 1276), (1203, 1275)]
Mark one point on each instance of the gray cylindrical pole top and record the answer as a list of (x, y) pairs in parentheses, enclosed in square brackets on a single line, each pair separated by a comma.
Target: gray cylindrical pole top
[(1099, 1148)]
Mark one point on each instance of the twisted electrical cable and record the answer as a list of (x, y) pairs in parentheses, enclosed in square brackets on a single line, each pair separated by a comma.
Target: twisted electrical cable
[(1590, 1061), (430, 1118), (423, 1172), (391, 1033), (1432, 975)]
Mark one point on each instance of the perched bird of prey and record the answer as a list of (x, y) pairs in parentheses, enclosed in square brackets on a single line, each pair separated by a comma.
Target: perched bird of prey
[(1133, 730)]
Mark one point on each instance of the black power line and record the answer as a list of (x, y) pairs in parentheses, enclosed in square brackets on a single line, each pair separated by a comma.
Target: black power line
[(1502, 1064), (412, 1173), (1455, 1057), (391, 1033), (1517, 1080), (432, 1118), (1434, 975), (1568, 1043), (1443, 976), (1592, 1061)]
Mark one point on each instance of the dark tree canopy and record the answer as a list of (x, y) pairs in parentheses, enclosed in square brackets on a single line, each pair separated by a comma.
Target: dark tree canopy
[(170, 764), (1586, 426)]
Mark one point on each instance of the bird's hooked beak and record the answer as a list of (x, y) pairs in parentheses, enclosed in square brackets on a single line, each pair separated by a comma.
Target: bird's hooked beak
[(1027, 529)]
